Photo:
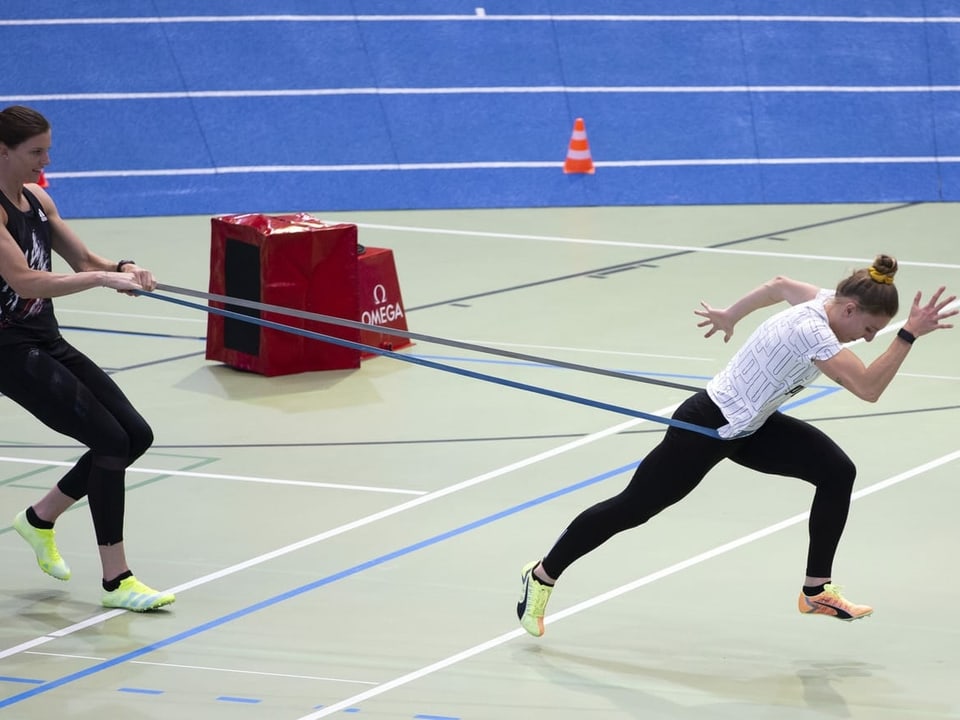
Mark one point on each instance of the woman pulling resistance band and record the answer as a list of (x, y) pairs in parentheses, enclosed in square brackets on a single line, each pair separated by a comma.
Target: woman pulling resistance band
[(786, 353), (51, 379)]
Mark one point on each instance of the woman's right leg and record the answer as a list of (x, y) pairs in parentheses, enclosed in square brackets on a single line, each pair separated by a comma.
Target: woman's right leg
[(36, 381), (665, 476), (39, 382), (56, 388), (671, 470)]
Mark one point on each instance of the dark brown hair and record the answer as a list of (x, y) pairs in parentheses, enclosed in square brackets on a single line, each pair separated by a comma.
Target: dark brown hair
[(872, 287), (19, 123)]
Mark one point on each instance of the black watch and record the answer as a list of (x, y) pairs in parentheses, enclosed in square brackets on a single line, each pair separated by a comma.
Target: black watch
[(125, 262)]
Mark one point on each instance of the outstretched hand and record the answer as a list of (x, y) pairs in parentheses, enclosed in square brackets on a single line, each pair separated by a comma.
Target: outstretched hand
[(717, 320), (927, 318)]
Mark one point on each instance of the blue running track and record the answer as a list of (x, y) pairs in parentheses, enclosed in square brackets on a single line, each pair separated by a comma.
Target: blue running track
[(178, 107)]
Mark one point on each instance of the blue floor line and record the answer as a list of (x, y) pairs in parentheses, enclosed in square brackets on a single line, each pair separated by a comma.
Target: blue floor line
[(140, 691), (380, 560), (24, 681), (210, 625), (245, 701)]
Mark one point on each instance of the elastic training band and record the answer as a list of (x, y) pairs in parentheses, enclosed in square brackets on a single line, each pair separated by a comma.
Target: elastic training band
[(431, 364), (383, 330)]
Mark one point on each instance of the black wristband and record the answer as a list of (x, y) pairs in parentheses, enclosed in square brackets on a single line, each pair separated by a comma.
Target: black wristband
[(906, 335), (125, 262)]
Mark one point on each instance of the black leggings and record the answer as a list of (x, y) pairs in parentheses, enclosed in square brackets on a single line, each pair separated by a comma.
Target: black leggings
[(68, 393), (782, 446)]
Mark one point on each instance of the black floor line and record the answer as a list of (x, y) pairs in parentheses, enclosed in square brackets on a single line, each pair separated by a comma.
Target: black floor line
[(647, 260)]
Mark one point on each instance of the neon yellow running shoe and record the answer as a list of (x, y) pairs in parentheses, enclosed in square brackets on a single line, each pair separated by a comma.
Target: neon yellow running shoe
[(134, 595), (44, 546), (533, 604), (832, 604)]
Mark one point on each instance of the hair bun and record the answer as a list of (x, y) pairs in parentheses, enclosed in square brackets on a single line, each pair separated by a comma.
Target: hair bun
[(883, 269), (885, 264)]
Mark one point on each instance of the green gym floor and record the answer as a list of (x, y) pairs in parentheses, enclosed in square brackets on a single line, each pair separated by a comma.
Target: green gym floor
[(350, 542)]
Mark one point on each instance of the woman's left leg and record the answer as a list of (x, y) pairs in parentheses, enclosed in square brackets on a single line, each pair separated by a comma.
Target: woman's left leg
[(793, 448)]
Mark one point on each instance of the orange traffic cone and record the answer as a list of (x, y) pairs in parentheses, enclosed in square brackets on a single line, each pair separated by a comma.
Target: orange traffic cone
[(578, 154), (42, 181)]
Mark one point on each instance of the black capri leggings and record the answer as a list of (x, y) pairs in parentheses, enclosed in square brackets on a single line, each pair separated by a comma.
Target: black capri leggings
[(782, 446), (68, 393)]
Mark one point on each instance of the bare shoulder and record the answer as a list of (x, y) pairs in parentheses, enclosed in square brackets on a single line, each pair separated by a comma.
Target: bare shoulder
[(795, 291), (46, 202)]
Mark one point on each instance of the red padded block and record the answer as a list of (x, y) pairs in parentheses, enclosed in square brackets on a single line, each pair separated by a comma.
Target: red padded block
[(295, 261), (380, 300)]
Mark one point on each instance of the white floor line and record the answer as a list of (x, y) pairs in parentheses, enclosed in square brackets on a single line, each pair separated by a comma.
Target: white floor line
[(422, 500), (478, 90), (256, 672), (210, 669), (216, 476), (592, 351), (207, 171), (928, 377), (484, 17), (616, 592), (639, 246), (340, 530), (198, 321)]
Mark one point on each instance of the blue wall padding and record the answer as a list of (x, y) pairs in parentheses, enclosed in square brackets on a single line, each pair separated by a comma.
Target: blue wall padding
[(323, 134)]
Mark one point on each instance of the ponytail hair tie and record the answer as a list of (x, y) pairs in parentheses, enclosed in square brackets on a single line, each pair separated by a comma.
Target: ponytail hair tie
[(880, 277)]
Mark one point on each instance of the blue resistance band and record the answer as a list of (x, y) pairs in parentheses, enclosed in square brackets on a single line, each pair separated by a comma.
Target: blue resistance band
[(396, 332), (428, 363)]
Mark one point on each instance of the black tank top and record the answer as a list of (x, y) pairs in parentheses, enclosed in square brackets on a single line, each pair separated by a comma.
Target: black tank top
[(27, 318)]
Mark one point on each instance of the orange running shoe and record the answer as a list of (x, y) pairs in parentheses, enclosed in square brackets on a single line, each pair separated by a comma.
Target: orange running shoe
[(832, 604)]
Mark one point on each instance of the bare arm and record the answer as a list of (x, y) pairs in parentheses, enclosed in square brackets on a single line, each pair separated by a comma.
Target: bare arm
[(30, 283), (91, 270), (771, 292), (869, 382)]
